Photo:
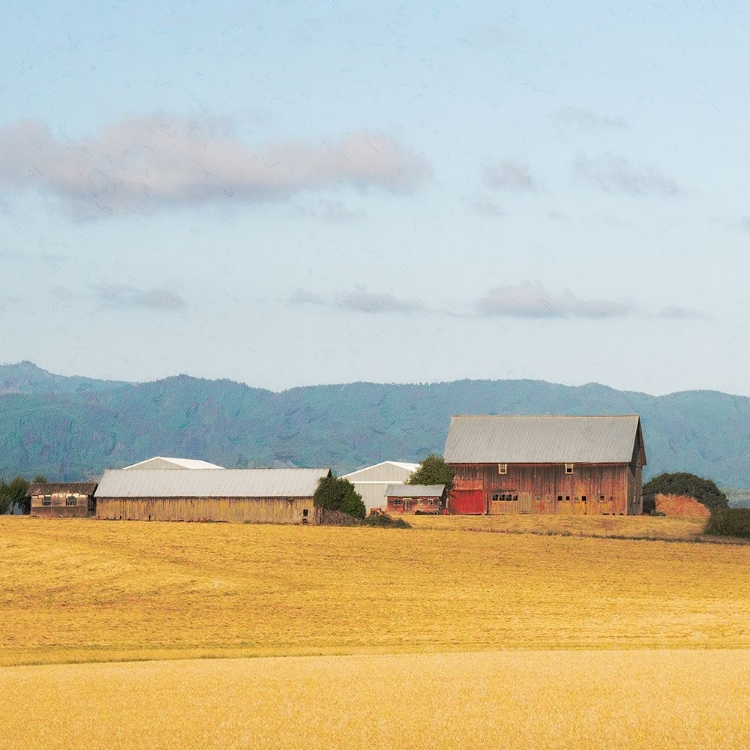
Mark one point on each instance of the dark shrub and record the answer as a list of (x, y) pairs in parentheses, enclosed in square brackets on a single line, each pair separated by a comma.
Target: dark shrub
[(729, 522), (384, 521), (338, 518)]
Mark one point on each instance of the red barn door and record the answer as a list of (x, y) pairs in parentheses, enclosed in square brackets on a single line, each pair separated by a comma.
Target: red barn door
[(467, 502)]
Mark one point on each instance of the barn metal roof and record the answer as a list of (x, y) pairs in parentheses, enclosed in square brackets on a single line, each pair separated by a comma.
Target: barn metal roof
[(415, 490), (543, 439), (162, 462), (210, 483)]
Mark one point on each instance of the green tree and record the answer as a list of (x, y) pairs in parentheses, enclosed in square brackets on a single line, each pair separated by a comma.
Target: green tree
[(433, 470), (14, 494), (340, 495), (682, 483)]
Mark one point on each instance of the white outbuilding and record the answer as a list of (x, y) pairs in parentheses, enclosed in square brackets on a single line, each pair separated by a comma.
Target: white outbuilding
[(372, 481)]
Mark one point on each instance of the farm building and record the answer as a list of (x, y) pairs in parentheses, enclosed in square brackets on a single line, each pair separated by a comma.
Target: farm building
[(62, 499), (159, 462), (252, 495), (415, 498), (372, 481), (546, 464)]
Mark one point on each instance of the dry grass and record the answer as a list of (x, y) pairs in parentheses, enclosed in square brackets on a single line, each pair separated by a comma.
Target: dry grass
[(82, 590), (634, 527), (559, 699)]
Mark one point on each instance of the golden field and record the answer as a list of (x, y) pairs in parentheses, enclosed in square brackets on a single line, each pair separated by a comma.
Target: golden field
[(85, 590), (510, 699), (477, 633), (632, 527)]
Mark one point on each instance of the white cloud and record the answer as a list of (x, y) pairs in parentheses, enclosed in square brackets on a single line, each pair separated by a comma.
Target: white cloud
[(528, 300), (578, 118), (359, 300), (511, 175), (131, 298), (144, 163), (616, 174)]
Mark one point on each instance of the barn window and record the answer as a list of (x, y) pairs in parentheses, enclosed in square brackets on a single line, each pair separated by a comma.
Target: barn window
[(583, 498), (70, 500), (601, 498), (567, 498), (502, 468), (559, 498), (47, 500), (397, 502), (568, 468), (515, 497)]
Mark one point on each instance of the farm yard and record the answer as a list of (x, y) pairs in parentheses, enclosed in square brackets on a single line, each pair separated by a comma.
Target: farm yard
[(447, 630)]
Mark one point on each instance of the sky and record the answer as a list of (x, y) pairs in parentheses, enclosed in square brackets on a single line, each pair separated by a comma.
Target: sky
[(292, 193)]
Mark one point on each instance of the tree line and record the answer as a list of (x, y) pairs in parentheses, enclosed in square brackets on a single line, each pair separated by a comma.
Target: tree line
[(14, 495)]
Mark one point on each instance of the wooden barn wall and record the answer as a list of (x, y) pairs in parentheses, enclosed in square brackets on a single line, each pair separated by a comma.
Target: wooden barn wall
[(252, 510), (539, 485), (59, 507)]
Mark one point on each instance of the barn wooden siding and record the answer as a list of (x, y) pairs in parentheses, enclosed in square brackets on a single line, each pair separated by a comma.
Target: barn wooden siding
[(238, 510), (608, 489), (59, 507)]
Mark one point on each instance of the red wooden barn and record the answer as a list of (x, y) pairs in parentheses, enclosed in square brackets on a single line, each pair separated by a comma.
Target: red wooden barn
[(546, 464)]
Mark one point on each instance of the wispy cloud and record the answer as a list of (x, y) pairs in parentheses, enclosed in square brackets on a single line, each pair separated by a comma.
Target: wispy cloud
[(675, 312), (115, 297), (359, 300), (616, 174), (332, 212), (511, 175), (145, 163), (578, 118), (528, 300), (487, 207)]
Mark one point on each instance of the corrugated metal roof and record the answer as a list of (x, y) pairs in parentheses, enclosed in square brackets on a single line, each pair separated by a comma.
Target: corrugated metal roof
[(210, 483), (55, 488), (541, 439), (161, 462), (415, 490), (385, 471)]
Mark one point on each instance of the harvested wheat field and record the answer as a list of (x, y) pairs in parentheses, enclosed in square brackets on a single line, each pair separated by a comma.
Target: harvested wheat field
[(513, 699), (630, 527), (84, 590)]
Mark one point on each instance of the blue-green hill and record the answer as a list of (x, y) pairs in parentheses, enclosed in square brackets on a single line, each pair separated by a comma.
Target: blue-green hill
[(74, 428)]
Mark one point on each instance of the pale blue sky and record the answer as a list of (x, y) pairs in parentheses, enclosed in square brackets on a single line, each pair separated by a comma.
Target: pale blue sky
[(292, 193)]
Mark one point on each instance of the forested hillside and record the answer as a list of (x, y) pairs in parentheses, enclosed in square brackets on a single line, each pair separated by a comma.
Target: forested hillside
[(74, 428)]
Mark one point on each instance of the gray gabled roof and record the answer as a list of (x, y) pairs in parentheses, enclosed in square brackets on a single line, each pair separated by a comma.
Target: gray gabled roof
[(543, 439), (210, 483), (415, 490)]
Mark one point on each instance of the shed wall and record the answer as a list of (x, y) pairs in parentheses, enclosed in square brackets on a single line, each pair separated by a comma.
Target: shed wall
[(59, 507), (252, 510)]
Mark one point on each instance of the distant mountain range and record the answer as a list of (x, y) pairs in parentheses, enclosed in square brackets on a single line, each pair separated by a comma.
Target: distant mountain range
[(73, 427)]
